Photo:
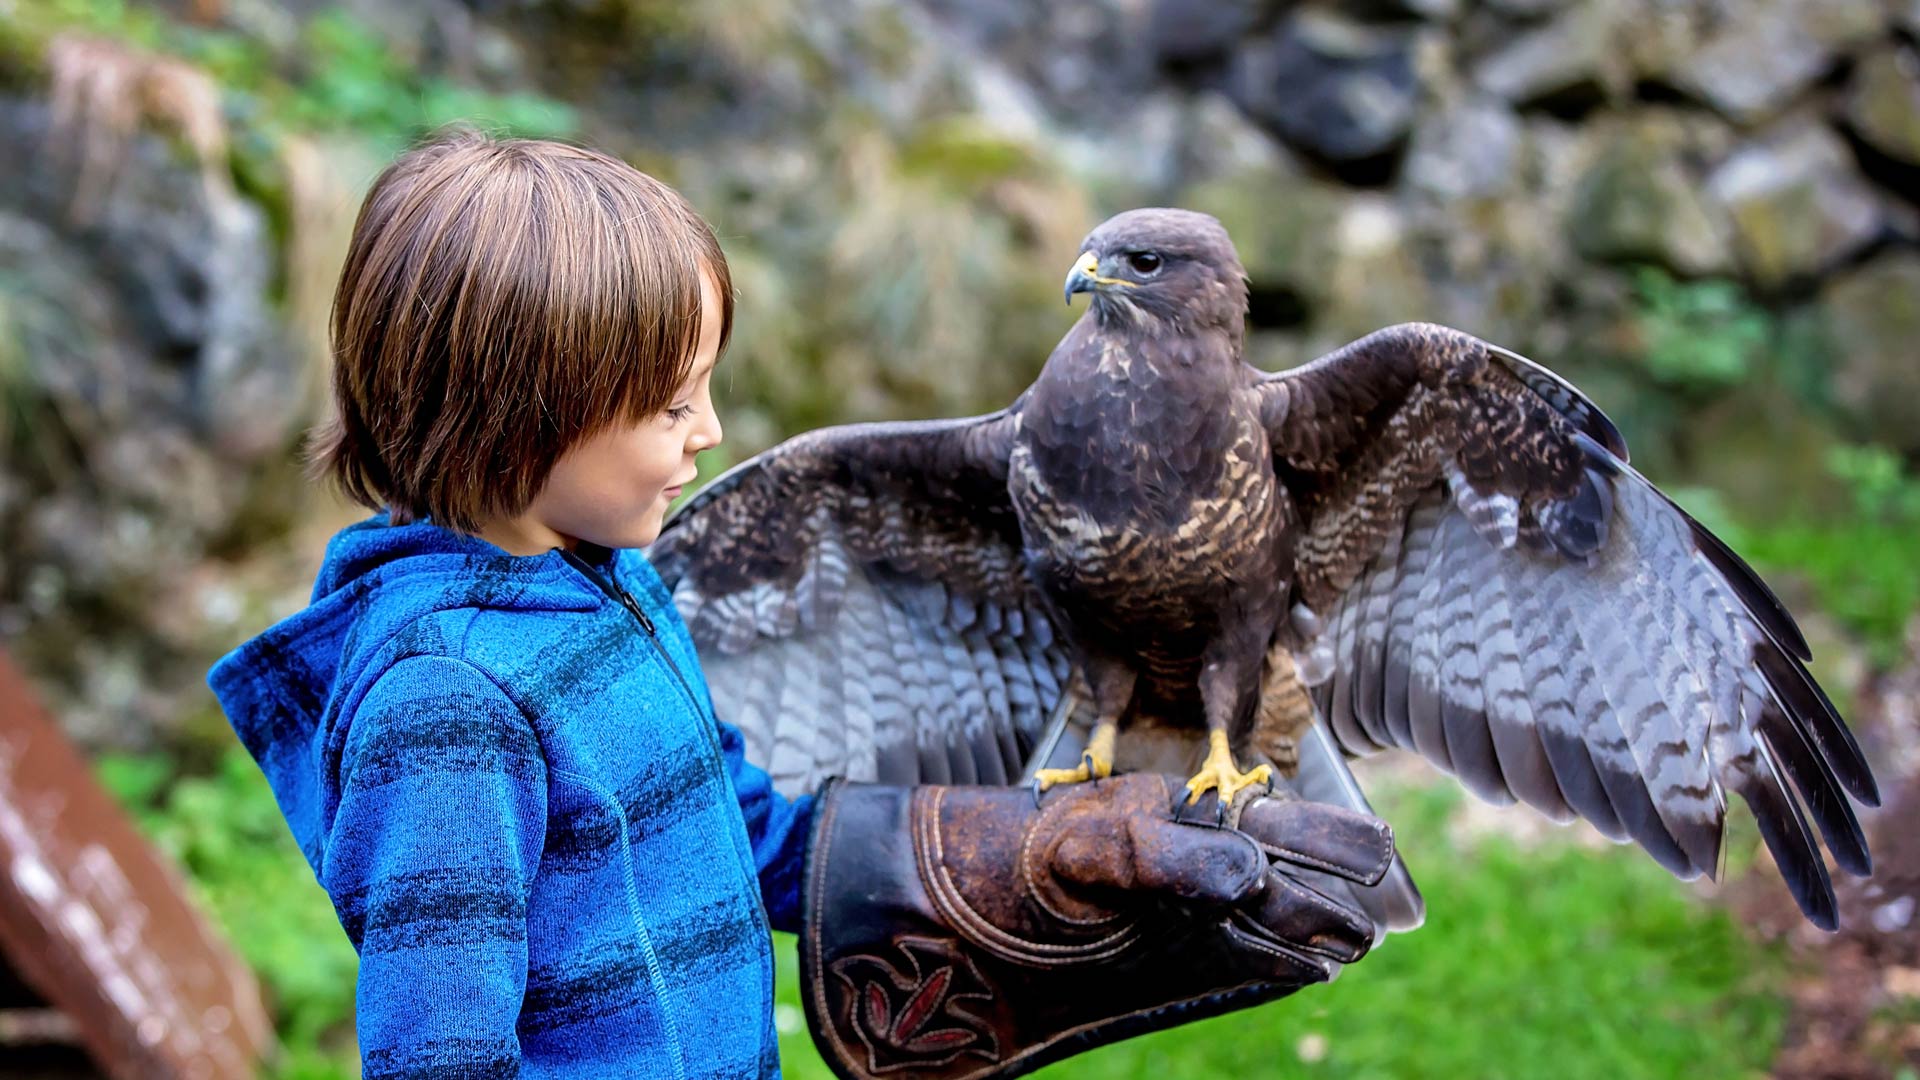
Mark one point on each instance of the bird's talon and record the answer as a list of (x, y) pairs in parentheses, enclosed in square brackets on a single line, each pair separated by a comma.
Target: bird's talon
[(1221, 775)]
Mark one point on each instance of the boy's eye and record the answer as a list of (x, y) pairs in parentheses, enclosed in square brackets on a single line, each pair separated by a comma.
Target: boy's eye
[(679, 412)]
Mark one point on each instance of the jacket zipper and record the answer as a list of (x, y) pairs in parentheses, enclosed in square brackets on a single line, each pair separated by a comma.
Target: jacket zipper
[(613, 589)]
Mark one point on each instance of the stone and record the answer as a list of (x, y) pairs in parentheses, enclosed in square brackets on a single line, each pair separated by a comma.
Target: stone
[(1883, 104), (1873, 320), (1565, 64), (1796, 203), (1526, 9), (1661, 40), (1186, 33), (1281, 223), (1373, 278), (1752, 66), (1222, 140), (1087, 60), (1335, 89), (1469, 150), (1433, 10), (160, 391), (1638, 202)]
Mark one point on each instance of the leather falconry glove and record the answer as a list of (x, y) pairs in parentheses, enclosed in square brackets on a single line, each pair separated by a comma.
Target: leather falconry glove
[(972, 932)]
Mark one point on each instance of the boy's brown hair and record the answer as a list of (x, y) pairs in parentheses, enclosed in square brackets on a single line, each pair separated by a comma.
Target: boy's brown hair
[(503, 299)]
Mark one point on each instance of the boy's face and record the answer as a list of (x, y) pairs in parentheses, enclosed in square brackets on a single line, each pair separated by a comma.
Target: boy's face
[(613, 489)]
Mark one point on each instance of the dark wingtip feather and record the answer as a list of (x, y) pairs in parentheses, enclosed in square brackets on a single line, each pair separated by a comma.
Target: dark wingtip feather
[(1819, 791), (1634, 808), (1785, 832), (1814, 715)]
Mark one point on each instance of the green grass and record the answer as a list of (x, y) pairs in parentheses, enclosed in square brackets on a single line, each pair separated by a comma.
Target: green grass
[(226, 831), (1556, 962)]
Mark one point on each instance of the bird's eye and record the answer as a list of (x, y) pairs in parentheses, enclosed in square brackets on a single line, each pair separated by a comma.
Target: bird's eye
[(1144, 262)]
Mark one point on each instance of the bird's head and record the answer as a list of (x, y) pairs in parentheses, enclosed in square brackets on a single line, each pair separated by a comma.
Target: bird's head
[(1168, 268)]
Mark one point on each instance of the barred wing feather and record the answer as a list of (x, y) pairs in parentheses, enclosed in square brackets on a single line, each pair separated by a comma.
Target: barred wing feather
[(857, 598), (1496, 589)]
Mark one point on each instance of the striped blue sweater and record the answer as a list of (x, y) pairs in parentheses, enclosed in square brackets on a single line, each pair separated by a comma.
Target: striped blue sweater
[(552, 858)]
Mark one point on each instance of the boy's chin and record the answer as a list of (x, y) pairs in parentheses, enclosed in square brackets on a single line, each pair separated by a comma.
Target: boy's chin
[(636, 534)]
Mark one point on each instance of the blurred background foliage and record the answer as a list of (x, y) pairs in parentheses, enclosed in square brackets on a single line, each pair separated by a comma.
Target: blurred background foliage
[(1702, 211)]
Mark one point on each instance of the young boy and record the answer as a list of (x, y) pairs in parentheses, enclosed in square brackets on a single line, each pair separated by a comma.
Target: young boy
[(489, 731)]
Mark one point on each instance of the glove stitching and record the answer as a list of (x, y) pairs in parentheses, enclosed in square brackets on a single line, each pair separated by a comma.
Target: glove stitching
[(1028, 873), (1300, 964), (1374, 873), (816, 887), (976, 928), (1314, 898)]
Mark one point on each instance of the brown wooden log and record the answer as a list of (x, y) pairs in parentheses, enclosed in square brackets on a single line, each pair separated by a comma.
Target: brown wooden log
[(100, 926)]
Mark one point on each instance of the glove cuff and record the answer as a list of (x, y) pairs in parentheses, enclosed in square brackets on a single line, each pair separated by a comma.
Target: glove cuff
[(932, 947)]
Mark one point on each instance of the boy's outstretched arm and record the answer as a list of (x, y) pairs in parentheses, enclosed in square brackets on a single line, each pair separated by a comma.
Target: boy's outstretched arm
[(776, 825), (429, 861)]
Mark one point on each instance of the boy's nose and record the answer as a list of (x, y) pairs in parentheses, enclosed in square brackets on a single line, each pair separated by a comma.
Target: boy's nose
[(709, 433)]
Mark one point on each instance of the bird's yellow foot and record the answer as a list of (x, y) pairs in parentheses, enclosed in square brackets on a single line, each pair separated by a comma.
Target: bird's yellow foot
[(1096, 762), (1219, 773)]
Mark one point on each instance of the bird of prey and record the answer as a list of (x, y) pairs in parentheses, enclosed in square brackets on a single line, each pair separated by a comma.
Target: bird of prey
[(1442, 540)]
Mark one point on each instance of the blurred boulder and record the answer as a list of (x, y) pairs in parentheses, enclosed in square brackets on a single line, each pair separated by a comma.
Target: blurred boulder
[(1873, 317), (1639, 202), (1339, 90), (1797, 205), (1085, 60), (1526, 9), (1282, 223), (1568, 64), (151, 393), (1764, 53), (1468, 150), (1883, 105), (1438, 10), (1189, 33)]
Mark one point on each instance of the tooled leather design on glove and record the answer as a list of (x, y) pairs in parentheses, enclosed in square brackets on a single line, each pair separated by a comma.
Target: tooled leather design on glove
[(918, 1017), (970, 933)]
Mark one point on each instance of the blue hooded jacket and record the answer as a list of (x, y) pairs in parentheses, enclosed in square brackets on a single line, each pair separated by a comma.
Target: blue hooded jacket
[(506, 772)]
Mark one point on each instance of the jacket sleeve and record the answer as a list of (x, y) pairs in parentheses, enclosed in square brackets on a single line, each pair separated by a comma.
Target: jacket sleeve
[(430, 858), (776, 825)]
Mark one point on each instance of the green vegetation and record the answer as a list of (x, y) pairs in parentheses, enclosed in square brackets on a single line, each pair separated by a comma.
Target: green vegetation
[(226, 830), (1699, 335), (1550, 961), (1860, 559), (341, 74)]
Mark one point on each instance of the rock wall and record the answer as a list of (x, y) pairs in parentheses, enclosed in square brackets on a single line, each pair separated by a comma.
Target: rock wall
[(1642, 193)]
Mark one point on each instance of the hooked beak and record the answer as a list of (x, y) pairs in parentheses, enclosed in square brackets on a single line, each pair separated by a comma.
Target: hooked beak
[(1085, 276)]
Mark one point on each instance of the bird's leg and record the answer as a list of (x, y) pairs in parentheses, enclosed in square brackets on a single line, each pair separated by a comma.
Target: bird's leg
[(1219, 773), (1096, 761), (1227, 689), (1112, 684)]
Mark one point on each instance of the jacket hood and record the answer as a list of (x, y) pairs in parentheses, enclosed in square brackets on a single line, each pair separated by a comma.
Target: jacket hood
[(278, 689)]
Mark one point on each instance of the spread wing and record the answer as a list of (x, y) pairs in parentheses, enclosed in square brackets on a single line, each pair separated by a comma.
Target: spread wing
[(1484, 580), (860, 607)]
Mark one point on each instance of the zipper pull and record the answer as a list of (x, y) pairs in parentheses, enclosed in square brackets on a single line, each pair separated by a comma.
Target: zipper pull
[(633, 606)]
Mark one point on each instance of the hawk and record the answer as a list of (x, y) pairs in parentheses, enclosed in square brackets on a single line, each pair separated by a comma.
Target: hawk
[(1159, 545)]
